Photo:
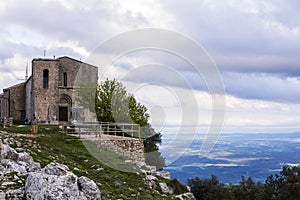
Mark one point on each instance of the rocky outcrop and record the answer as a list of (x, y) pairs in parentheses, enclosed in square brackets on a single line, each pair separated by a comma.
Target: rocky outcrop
[(186, 196), (14, 168), (15, 163), (55, 181), (165, 189), (22, 178)]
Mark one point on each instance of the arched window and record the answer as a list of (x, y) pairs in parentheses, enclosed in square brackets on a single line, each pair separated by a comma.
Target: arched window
[(65, 79), (46, 78)]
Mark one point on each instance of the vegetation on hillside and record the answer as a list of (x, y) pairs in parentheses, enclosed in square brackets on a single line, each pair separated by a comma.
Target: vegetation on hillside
[(112, 103), (282, 186), (51, 145)]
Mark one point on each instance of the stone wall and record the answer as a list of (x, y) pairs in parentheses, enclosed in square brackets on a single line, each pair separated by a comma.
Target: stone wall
[(47, 101), (43, 98), (76, 72), (2, 106), (5, 104), (130, 148), (88, 75), (14, 103), (28, 99), (76, 69)]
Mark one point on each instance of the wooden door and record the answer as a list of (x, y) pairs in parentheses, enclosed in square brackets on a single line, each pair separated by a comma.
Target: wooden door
[(63, 114)]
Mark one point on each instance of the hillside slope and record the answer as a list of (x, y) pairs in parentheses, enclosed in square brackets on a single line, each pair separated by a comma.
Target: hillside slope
[(51, 146)]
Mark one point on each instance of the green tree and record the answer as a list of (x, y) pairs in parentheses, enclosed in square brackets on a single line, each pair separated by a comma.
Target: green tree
[(113, 103), (208, 189), (110, 98), (153, 157), (138, 112), (249, 190), (285, 185), (282, 186)]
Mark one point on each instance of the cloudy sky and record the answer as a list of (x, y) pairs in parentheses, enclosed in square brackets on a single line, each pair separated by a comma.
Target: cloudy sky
[(254, 43)]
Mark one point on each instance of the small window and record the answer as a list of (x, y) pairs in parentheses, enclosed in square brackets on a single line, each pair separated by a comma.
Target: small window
[(65, 79), (46, 78)]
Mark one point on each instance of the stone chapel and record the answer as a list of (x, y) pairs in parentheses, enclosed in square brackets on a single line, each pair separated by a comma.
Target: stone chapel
[(49, 94)]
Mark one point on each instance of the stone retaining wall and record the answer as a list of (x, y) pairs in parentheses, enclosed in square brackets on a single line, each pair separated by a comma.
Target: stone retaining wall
[(130, 148)]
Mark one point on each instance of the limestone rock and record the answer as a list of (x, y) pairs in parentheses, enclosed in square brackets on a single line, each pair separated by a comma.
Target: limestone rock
[(89, 188), (150, 183), (151, 178), (56, 169), (56, 181), (16, 162), (2, 195), (12, 141), (165, 188), (9, 141), (186, 196), (8, 153), (10, 166), (165, 175), (43, 186), (15, 194), (26, 160), (99, 169), (19, 149)]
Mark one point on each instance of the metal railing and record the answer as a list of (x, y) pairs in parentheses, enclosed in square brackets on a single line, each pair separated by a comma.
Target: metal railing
[(108, 128)]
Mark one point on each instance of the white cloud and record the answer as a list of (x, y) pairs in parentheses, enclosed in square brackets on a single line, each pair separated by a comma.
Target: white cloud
[(242, 115), (71, 44)]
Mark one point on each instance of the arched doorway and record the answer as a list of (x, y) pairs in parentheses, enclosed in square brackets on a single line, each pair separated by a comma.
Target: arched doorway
[(65, 104)]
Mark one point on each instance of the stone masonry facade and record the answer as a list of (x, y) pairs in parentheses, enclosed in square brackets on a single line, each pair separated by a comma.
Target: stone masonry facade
[(49, 94), (13, 102)]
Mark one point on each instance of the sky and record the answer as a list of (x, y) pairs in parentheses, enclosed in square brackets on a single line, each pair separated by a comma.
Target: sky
[(255, 45)]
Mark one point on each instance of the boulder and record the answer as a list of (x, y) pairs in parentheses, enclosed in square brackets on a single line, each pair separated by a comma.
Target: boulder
[(9, 166), (89, 188), (151, 178), (186, 196), (9, 141), (26, 160), (16, 162), (56, 169), (165, 175), (164, 188), (6, 152), (150, 183), (15, 194), (56, 181), (2, 195)]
